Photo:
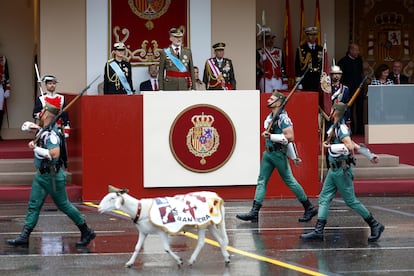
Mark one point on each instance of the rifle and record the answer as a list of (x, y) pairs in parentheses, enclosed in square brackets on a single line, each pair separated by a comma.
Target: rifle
[(349, 104), (282, 107), (65, 109)]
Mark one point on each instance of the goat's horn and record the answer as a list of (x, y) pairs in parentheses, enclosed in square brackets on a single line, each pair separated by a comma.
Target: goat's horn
[(113, 189)]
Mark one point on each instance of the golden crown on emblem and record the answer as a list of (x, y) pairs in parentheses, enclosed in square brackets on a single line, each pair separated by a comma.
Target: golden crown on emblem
[(202, 120)]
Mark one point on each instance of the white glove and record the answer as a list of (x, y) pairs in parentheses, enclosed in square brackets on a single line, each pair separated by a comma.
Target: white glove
[(279, 138), (29, 126), (42, 152), (264, 57), (6, 94), (66, 130)]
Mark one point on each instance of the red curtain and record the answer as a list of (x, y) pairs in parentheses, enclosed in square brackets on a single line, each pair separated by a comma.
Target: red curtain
[(143, 26)]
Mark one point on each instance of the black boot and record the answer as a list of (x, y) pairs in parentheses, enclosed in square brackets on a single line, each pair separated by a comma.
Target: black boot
[(316, 234), (23, 239), (310, 211), (253, 214), (376, 228), (87, 234)]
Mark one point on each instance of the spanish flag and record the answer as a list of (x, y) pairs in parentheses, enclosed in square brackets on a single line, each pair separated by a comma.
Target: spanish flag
[(318, 21), (302, 22), (287, 44)]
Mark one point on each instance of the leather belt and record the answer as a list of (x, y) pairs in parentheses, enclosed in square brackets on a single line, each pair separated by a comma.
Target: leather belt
[(48, 169), (338, 164), (276, 147)]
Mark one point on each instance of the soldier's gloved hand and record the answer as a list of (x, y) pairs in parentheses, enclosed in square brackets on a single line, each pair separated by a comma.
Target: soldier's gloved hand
[(6, 94), (29, 126)]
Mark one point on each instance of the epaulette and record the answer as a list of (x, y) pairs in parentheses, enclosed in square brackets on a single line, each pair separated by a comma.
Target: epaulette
[(109, 60)]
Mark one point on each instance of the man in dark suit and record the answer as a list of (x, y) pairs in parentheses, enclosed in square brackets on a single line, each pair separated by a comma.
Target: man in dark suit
[(176, 64), (218, 71), (310, 54), (396, 75), (152, 83)]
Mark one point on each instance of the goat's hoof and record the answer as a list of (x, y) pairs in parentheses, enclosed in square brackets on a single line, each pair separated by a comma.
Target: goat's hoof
[(128, 265)]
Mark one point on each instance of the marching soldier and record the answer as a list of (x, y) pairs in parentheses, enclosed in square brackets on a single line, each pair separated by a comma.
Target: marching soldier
[(271, 62), (340, 176), (118, 73), (308, 54), (50, 178), (176, 69), (279, 136), (218, 71)]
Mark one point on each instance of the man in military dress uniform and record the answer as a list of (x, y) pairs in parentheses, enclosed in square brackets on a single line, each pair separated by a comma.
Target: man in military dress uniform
[(279, 136), (308, 54), (340, 92), (118, 74), (271, 62), (176, 69), (50, 82), (218, 71)]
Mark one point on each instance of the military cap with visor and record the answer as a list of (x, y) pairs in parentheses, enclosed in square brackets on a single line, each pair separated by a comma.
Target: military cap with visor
[(176, 32), (278, 95), (219, 46), (47, 78), (119, 46), (313, 30)]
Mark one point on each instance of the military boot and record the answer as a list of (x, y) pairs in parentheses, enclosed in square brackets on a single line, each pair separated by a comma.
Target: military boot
[(316, 234), (87, 234), (23, 238), (376, 228), (310, 211), (253, 214)]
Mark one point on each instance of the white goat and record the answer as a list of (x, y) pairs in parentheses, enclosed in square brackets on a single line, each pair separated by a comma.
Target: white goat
[(142, 212)]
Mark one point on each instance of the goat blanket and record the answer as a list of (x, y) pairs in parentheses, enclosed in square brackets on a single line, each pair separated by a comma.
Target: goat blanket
[(198, 208)]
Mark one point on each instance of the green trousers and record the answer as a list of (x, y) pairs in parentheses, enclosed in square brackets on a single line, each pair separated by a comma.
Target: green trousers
[(44, 185), (277, 160), (340, 180)]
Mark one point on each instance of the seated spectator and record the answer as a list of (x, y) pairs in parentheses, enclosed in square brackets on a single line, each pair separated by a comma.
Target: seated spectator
[(396, 75), (199, 84), (152, 83), (381, 76)]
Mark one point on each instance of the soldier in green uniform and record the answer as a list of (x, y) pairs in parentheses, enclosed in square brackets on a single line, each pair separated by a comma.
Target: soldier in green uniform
[(218, 70), (340, 176), (50, 178), (176, 69), (279, 146)]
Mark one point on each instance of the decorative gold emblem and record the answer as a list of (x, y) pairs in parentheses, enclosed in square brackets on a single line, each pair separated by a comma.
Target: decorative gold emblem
[(149, 9), (203, 139)]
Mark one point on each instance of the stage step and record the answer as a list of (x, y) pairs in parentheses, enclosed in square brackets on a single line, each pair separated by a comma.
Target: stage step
[(389, 167), (20, 172)]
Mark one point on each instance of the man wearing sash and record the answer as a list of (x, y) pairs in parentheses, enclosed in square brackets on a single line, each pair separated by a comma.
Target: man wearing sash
[(176, 69), (118, 74), (271, 63), (218, 71)]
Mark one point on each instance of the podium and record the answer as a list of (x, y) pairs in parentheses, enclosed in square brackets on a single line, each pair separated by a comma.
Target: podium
[(108, 142)]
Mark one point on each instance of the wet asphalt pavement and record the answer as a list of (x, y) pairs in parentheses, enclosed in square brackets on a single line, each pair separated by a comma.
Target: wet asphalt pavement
[(270, 247)]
